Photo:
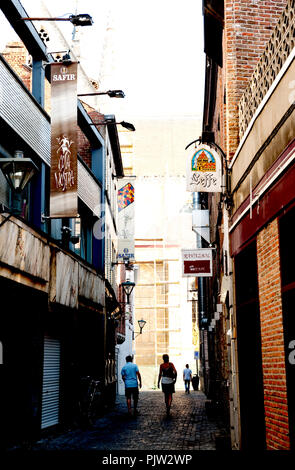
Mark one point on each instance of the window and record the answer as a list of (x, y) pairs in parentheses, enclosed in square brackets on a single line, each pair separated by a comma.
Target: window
[(82, 228)]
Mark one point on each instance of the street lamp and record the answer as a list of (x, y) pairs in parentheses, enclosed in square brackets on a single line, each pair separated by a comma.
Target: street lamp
[(18, 171), (111, 93), (128, 287), (82, 19), (141, 324), (125, 124)]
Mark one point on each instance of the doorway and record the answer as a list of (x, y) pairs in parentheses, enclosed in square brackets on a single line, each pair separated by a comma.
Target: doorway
[(249, 350), (287, 255)]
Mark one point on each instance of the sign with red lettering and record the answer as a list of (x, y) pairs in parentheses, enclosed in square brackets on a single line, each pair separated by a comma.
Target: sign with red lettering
[(197, 262), (63, 172)]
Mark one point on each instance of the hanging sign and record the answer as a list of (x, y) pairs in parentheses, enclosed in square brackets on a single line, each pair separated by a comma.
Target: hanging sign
[(197, 262), (126, 219), (204, 170), (63, 172)]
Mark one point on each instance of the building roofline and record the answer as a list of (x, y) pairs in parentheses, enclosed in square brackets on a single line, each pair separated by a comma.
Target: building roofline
[(13, 10), (115, 144)]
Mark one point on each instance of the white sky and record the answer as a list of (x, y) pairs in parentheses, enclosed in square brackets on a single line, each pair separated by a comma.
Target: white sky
[(159, 59)]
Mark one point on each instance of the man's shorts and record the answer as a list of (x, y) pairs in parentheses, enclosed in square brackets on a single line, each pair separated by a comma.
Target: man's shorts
[(131, 391)]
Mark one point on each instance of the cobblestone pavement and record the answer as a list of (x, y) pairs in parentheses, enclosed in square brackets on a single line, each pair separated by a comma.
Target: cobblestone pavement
[(187, 429)]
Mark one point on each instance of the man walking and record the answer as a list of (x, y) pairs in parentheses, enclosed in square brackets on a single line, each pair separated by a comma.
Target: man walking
[(131, 376), (187, 377)]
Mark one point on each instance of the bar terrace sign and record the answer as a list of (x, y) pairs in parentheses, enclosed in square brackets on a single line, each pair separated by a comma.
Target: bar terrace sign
[(64, 167), (197, 262), (204, 170)]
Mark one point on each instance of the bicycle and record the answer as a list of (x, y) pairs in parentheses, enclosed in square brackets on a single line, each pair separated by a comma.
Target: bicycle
[(90, 400)]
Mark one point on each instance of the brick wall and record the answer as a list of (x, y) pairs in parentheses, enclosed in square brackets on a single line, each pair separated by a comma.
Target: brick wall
[(84, 148), (83, 143), (273, 354), (17, 56), (248, 27), (97, 118)]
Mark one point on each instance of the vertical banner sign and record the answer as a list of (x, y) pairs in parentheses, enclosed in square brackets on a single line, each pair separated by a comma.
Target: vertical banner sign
[(204, 170), (126, 219), (63, 173)]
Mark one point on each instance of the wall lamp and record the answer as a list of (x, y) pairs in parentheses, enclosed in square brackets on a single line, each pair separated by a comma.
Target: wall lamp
[(18, 171), (82, 19), (141, 324), (127, 125), (111, 93), (128, 287)]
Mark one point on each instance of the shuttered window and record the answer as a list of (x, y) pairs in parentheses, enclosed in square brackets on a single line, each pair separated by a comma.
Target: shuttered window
[(51, 382)]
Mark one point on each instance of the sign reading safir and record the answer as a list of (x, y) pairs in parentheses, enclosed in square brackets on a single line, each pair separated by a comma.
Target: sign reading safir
[(63, 170), (63, 75)]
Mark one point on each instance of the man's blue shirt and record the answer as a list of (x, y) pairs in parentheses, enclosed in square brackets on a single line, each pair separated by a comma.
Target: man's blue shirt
[(129, 372)]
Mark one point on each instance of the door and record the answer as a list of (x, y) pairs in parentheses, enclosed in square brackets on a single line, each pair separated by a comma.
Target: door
[(287, 253), (249, 350), (51, 383)]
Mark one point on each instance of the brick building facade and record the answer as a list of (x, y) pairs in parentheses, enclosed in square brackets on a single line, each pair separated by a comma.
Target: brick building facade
[(249, 110), (247, 28), (272, 336)]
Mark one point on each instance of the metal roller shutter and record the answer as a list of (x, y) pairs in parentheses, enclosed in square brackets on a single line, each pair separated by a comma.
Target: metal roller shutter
[(51, 379)]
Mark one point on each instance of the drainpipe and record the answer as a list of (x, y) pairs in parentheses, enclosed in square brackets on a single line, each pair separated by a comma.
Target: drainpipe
[(202, 307)]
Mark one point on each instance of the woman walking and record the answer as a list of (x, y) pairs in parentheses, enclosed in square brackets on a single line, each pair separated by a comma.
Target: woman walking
[(167, 376)]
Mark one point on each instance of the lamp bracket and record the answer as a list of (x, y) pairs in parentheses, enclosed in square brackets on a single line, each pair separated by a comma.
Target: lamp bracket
[(227, 198), (47, 217), (193, 142), (126, 261), (44, 218)]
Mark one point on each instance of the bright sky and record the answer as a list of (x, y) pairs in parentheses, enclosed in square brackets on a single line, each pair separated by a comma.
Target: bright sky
[(158, 44)]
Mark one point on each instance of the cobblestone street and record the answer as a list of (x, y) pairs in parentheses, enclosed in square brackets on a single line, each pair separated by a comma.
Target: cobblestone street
[(187, 429)]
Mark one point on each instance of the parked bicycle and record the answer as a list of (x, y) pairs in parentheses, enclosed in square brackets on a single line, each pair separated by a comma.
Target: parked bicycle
[(90, 400)]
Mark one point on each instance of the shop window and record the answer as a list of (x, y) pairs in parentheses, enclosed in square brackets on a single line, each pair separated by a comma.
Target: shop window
[(82, 228)]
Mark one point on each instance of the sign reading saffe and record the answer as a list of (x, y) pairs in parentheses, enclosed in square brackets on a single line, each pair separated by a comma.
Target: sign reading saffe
[(63, 172), (204, 170), (197, 262)]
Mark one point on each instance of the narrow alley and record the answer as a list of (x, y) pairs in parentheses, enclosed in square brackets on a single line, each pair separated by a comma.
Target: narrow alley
[(187, 429), (147, 196)]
